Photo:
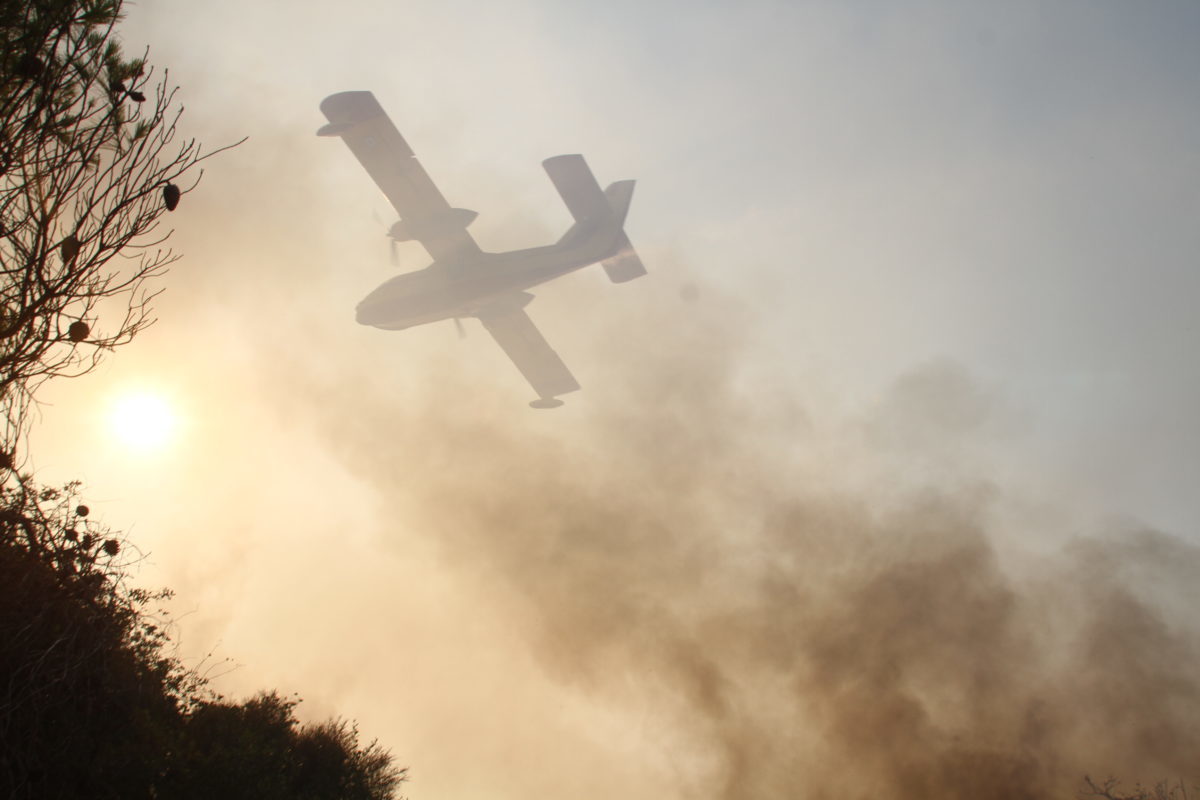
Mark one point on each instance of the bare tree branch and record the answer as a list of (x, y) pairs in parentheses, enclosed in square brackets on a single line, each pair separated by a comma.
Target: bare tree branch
[(90, 160)]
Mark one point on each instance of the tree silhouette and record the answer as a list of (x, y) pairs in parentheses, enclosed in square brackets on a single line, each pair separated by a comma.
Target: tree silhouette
[(93, 702), (258, 750), (89, 163), (87, 697), (1110, 789)]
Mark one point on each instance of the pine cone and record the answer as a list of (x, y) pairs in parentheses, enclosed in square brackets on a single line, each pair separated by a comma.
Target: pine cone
[(171, 195)]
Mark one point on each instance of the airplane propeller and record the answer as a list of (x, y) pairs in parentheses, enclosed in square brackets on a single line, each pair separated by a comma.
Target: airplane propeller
[(393, 254), (462, 331)]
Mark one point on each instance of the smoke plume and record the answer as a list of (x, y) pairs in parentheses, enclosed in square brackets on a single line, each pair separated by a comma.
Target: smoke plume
[(686, 553)]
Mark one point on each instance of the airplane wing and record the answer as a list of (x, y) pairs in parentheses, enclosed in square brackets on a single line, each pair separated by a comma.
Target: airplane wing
[(515, 332), (425, 215)]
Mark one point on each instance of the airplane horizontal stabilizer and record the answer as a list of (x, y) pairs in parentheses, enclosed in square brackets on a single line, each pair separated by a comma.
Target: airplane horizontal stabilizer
[(625, 265), (578, 188)]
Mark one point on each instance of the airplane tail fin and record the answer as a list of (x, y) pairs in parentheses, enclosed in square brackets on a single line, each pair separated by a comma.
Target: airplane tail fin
[(619, 195), (625, 265), (591, 206)]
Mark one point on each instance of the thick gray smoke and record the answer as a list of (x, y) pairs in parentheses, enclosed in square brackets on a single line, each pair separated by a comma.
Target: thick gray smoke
[(671, 557)]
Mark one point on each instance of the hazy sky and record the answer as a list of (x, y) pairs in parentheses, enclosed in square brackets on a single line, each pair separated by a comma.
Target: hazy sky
[(917, 340)]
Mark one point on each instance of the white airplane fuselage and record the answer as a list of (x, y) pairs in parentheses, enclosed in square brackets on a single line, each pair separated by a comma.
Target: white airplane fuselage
[(449, 290)]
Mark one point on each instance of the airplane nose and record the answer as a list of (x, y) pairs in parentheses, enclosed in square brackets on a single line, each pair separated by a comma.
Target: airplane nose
[(365, 314)]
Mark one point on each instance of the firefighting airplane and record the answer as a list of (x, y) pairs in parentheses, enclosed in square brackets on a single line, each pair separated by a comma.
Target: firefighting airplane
[(464, 281)]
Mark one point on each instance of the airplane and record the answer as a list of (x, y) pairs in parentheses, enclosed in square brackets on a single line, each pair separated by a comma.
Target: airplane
[(463, 280)]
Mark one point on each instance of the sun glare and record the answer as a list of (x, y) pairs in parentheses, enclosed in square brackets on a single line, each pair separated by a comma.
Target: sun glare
[(143, 421)]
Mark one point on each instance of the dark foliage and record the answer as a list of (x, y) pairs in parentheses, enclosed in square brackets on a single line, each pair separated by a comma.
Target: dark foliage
[(86, 699), (1110, 789), (92, 703), (257, 750)]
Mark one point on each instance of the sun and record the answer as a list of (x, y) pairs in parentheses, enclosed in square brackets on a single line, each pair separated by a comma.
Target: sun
[(143, 420)]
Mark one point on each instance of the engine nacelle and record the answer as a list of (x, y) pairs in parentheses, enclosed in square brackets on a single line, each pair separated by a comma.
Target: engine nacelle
[(419, 228)]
